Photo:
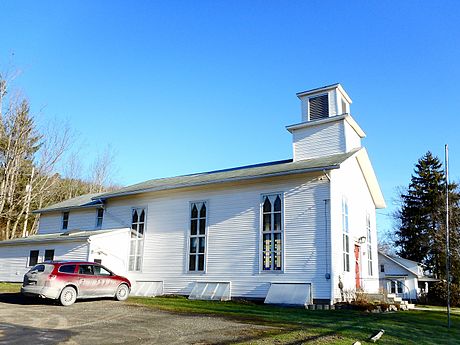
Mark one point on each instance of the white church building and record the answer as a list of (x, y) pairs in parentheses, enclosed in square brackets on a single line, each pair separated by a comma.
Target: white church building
[(301, 225)]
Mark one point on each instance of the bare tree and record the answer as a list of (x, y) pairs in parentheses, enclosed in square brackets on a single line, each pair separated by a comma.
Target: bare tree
[(101, 170)]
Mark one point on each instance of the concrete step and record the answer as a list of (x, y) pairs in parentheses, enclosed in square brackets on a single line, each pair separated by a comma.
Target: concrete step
[(391, 295), (410, 306), (397, 299)]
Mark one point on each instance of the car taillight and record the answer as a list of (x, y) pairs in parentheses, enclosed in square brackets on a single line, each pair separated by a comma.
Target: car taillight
[(52, 277)]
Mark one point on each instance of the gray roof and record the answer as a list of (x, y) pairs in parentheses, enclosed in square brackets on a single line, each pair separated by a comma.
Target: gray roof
[(87, 200), (74, 235), (286, 167)]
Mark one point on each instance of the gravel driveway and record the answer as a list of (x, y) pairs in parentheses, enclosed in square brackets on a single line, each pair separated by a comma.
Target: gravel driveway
[(110, 322)]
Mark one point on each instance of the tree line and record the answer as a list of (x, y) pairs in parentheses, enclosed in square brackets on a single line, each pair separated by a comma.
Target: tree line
[(37, 166)]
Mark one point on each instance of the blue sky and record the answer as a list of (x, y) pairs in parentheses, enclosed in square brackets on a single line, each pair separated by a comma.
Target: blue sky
[(177, 87)]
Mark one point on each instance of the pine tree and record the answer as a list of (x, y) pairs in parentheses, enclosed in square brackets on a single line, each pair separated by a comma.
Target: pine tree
[(420, 213)]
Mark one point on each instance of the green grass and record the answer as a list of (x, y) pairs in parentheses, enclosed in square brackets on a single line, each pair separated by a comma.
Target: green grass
[(299, 326), (10, 287)]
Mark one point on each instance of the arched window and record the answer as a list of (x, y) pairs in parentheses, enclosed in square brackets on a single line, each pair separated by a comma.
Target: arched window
[(272, 232), (197, 247), (137, 239), (345, 236), (369, 245)]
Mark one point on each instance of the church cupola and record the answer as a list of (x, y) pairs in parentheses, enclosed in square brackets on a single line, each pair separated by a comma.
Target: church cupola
[(327, 127), (324, 102)]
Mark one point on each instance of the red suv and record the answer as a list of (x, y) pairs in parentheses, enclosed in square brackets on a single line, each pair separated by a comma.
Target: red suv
[(69, 280)]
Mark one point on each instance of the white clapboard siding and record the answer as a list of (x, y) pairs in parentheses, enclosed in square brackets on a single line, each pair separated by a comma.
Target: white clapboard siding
[(51, 222), (319, 140), (349, 182), (112, 249), (233, 249), (14, 258)]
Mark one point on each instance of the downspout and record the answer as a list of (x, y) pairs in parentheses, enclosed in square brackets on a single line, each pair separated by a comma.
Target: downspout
[(329, 268)]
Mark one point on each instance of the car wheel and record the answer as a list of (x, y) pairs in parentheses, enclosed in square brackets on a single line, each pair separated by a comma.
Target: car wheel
[(68, 296), (122, 292)]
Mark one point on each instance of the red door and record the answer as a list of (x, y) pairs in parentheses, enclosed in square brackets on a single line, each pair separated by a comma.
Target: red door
[(357, 270)]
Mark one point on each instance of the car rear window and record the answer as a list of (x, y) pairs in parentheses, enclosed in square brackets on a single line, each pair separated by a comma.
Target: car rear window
[(42, 268), (67, 269), (38, 268)]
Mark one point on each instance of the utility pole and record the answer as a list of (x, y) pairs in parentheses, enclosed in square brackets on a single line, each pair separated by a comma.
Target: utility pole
[(447, 235)]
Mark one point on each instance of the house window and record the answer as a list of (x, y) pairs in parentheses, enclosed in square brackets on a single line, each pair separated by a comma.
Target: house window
[(33, 257), (137, 239), (382, 268), (272, 232), (99, 217), (318, 107), (65, 220), (49, 255), (369, 245), (397, 286), (197, 248), (345, 236)]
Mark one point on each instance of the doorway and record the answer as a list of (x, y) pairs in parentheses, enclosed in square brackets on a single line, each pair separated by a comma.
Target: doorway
[(357, 267)]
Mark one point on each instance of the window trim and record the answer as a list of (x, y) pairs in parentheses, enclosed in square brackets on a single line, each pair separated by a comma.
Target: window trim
[(261, 237), (189, 235), (97, 217), (44, 255), (145, 208), (370, 259), (65, 220), (346, 266), (38, 257)]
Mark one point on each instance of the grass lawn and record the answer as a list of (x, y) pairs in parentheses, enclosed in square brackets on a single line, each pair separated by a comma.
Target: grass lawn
[(10, 287), (298, 326)]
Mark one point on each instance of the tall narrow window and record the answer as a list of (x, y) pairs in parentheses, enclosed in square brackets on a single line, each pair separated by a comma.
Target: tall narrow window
[(197, 248), (369, 245), (33, 257), (137, 239), (99, 217), (345, 236), (49, 255), (272, 232), (65, 220)]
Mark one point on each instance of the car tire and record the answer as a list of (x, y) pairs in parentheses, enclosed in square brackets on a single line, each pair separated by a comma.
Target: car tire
[(122, 293), (68, 296)]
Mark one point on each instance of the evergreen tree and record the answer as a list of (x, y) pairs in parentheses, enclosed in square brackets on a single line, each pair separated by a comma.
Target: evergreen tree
[(421, 233)]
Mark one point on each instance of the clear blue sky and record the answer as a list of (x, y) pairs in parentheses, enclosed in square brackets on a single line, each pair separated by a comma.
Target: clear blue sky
[(177, 87)]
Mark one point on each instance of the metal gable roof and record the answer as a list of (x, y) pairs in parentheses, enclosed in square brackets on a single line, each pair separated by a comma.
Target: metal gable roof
[(279, 168), (86, 200)]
